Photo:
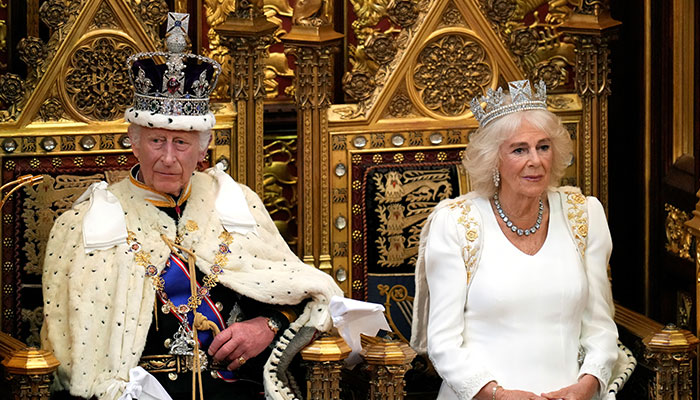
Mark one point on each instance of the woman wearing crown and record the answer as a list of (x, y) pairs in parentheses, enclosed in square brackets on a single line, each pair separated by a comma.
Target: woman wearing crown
[(512, 294)]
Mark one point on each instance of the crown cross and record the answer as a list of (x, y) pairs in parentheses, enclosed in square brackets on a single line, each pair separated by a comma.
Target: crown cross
[(178, 24), (521, 99)]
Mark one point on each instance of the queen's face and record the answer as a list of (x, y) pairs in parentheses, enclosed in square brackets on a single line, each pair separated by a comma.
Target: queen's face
[(526, 162), (167, 158)]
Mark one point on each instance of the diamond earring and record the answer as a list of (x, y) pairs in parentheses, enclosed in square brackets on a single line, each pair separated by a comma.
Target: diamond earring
[(496, 177)]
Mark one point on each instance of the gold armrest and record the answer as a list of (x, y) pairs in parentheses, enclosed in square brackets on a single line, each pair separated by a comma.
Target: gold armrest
[(387, 362), (324, 359), (29, 370), (669, 353)]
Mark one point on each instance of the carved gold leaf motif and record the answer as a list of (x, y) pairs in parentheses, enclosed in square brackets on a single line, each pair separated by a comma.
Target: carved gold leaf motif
[(679, 240), (280, 186), (450, 72), (97, 83)]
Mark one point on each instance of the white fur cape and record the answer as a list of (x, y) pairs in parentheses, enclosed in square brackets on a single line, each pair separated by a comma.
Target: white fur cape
[(98, 307)]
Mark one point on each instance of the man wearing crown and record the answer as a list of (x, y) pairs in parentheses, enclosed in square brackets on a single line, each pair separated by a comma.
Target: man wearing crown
[(175, 282)]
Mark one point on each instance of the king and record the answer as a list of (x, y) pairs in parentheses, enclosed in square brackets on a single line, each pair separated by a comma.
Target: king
[(172, 282)]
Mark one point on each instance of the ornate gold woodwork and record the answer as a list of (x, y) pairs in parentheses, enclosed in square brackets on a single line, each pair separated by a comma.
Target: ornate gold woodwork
[(275, 63), (313, 48), (537, 46), (3, 39), (152, 14), (671, 352), (387, 363), (450, 71), (247, 35), (591, 31), (29, 371), (96, 85), (684, 310), (281, 185), (529, 37), (693, 225), (324, 357), (679, 240)]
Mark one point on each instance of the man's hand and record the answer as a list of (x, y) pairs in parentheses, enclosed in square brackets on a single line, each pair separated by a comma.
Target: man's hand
[(584, 389), (244, 339)]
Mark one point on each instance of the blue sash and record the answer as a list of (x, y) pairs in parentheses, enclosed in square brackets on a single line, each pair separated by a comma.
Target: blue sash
[(176, 277)]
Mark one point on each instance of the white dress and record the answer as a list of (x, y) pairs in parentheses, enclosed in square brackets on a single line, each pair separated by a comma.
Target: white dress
[(525, 317)]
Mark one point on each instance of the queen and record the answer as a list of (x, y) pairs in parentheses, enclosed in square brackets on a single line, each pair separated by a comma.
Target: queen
[(512, 295)]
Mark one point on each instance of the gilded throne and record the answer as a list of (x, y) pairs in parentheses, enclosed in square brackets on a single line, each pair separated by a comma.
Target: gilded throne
[(351, 184)]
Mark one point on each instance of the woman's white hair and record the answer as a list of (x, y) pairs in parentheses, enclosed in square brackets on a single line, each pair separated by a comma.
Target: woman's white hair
[(204, 136), (481, 157)]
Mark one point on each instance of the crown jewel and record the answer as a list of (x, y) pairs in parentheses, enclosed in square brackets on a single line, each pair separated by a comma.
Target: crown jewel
[(164, 93), (497, 104)]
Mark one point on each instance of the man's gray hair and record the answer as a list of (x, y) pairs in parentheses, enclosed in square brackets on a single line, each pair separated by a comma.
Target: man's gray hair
[(204, 136), (481, 157)]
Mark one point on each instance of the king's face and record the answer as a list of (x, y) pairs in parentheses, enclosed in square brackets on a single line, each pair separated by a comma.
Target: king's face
[(167, 158)]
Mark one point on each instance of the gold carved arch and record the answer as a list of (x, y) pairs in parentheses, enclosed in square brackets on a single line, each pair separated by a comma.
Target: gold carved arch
[(388, 62), (92, 22)]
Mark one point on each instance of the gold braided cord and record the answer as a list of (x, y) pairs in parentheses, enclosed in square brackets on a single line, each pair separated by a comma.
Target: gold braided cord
[(23, 180)]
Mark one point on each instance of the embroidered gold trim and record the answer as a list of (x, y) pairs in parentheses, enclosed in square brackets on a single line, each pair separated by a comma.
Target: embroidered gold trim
[(161, 199), (471, 233), (578, 219)]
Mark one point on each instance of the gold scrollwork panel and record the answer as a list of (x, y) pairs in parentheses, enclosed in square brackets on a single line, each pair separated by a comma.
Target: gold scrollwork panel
[(679, 240), (280, 185), (453, 67), (96, 85)]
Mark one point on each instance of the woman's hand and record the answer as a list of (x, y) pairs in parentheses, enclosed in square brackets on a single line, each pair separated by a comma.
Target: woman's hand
[(486, 393), (503, 394), (584, 389)]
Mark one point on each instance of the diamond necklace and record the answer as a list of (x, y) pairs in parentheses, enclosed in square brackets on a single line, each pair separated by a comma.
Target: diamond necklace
[(511, 225)]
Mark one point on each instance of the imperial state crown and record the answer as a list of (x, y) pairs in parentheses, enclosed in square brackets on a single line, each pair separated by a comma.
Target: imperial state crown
[(175, 94)]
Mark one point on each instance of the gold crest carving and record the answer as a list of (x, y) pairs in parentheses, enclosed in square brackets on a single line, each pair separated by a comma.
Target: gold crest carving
[(450, 71), (679, 240), (97, 85)]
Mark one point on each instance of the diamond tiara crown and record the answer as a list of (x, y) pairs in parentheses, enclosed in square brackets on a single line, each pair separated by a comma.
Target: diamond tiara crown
[(521, 99), (181, 86)]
